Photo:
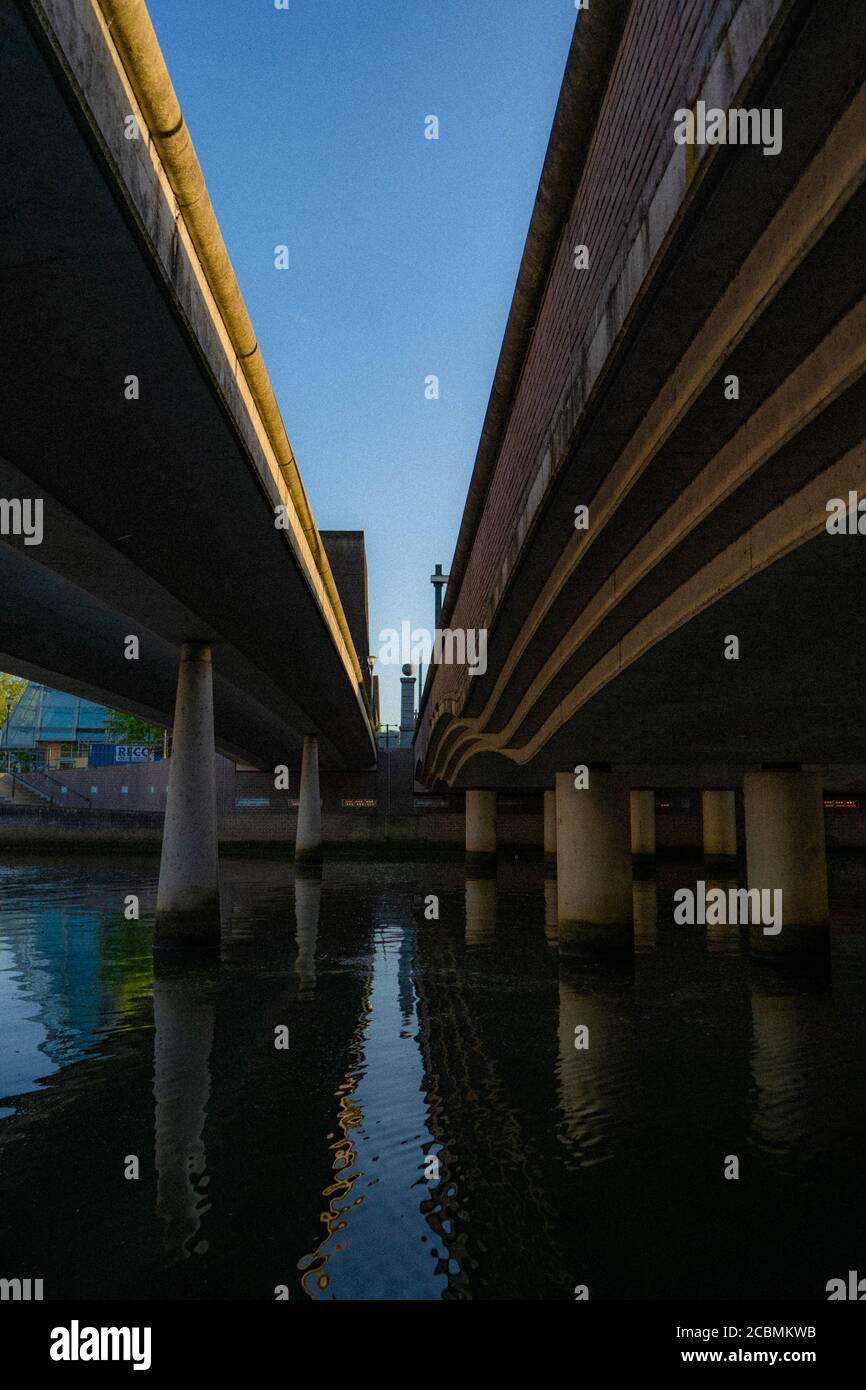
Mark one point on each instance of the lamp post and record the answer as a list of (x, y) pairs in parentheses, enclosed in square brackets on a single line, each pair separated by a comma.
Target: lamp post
[(438, 580)]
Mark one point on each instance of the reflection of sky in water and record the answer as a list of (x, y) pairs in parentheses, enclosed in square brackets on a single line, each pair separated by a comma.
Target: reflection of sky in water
[(306, 1168), (380, 1245), (22, 1059), (60, 988)]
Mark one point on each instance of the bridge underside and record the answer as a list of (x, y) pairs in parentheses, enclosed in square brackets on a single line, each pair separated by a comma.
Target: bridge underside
[(158, 520), (684, 713), (707, 514)]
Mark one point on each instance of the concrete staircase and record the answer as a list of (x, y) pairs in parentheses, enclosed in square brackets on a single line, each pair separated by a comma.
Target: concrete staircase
[(17, 794)]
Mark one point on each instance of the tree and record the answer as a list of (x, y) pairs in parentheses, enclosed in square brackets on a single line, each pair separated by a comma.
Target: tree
[(128, 728), (10, 693)]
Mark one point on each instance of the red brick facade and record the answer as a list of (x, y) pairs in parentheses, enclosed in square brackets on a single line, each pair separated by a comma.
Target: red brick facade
[(666, 49)]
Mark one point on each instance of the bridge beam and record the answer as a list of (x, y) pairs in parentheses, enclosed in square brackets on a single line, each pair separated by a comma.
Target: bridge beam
[(785, 851), (480, 829), (593, 865), (187, 905), (308, 837)]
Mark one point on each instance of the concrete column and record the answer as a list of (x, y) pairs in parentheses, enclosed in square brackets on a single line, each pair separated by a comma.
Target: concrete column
[(481, 829), (187, 904), (407, 705), (593, 864), (550, 830), (643, 825), (308, 837), (785, 850), (720, 825)]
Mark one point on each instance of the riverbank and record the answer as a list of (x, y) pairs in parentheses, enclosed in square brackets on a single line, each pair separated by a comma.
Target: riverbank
[(351, 834)]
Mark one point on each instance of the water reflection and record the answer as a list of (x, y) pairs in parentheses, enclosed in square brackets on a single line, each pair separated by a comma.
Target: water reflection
[(184, 1014), (338, 1194), (551, 912), (308, 906), (645, 902), (723, 937), (71, 969), (432, 1131), (791, 1056), (592, 1072), (378, 1214), (480, 911)]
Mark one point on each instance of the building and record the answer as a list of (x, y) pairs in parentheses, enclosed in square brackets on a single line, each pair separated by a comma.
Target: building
[(54, 725)]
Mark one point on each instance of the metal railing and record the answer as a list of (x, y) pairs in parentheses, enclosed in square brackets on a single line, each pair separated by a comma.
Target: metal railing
[(65, 791)]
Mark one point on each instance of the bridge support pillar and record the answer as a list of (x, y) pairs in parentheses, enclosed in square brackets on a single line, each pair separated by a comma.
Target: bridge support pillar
[(187, 904), (308, 837), (787, 860), (593, 865), (642, 805), (481, 830), (550, 834), (720, 827)]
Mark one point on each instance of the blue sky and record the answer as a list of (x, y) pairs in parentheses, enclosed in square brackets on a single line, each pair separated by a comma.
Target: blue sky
[(309, 125)]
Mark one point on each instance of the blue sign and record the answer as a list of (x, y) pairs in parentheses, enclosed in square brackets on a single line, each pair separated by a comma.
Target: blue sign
[(132, 752)]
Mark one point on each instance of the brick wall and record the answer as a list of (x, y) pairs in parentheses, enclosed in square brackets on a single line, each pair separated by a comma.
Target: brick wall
[(145, 786), (666, 50)]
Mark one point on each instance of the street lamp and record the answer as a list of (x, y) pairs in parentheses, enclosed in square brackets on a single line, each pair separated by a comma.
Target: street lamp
[(438, 580)]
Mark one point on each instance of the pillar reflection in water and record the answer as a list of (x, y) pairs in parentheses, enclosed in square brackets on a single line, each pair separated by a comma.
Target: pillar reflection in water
[(723, 938), (184, 1013), (308, 902), (789, 1058), (551, 919), (592, 1079), (645, 905), (480, 911)]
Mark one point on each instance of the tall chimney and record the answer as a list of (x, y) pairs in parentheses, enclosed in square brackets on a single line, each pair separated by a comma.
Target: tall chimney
[(407, 704)]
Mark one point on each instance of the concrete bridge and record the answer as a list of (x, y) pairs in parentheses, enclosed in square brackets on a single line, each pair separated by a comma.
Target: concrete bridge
[(138, 414), (678, 411)]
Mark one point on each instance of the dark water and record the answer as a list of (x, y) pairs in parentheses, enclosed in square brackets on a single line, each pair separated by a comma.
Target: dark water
[(411, 1041)]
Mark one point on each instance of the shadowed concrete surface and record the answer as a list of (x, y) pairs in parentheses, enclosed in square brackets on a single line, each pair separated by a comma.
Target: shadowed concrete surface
[(159, 511)]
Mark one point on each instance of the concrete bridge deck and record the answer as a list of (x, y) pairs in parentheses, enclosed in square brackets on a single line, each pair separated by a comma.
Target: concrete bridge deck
[(159, 510)]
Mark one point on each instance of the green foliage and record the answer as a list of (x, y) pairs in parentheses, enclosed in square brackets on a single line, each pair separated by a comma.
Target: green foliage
[(10, 693), (128, 728)]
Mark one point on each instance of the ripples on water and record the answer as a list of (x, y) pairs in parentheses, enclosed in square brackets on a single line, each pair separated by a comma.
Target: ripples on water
[(431, 1130)]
